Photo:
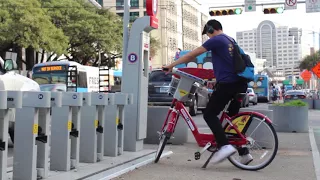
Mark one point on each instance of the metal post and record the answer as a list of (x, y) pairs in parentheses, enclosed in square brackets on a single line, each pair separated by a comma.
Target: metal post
[(126, 15)]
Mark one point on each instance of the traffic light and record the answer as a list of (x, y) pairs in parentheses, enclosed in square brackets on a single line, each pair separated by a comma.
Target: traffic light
[(225, 12), (278, 10)]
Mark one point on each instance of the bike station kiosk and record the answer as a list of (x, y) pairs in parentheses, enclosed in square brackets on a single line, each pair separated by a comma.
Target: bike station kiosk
[(135, 79)]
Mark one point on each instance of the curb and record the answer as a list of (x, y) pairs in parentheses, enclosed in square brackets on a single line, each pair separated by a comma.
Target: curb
[(315, 153), (125, 168)]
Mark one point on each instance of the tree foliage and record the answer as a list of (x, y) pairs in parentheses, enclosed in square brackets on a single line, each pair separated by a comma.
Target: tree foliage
[(91, 31), (26, 24), (154, 46), (73, 28), (310, 61)]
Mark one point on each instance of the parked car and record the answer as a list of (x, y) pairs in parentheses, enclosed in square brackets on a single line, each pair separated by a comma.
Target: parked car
[(244, 99), (294, 94), (253, 98), (159, 85)]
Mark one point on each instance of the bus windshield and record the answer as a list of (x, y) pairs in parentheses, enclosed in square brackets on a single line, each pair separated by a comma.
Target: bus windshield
[(50, 78)]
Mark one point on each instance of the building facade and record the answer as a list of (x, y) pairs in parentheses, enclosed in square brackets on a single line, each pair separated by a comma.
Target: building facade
[(281, 46), (174, 32)]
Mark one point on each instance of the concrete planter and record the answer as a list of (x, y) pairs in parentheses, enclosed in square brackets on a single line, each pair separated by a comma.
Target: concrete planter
[(290, 118), (156, 118), (309, 102), (316, 104)]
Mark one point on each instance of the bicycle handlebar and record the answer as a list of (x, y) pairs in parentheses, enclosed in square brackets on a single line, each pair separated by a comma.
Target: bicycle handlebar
[(186, 75)]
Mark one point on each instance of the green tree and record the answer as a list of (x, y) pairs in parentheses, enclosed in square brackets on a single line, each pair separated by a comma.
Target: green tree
[(310, 61), (154, 46), (91, 31), (24, 24)]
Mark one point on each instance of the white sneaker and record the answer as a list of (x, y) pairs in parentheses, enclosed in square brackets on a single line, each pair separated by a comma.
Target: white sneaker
[(246, 159), (223, 153)]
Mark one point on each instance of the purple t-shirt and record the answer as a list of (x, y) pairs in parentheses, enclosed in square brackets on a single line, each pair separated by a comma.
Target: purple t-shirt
[(222, 58)]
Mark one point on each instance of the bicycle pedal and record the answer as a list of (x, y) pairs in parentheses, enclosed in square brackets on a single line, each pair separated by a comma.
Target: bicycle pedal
[(197, 155)]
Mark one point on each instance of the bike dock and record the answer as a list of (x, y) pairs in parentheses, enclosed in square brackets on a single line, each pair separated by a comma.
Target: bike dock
[(65, 135)]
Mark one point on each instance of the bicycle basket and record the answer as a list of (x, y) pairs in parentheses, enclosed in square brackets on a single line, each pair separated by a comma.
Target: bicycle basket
[(173, 85)]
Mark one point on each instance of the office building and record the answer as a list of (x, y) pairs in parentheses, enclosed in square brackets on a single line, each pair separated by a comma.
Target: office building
[(279, 45), (174, 31)]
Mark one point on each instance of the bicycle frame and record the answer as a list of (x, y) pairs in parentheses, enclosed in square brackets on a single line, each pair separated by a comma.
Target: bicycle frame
[(177, 108)]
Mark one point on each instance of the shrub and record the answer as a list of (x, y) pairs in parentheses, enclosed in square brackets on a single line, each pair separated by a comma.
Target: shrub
[(297, 103)]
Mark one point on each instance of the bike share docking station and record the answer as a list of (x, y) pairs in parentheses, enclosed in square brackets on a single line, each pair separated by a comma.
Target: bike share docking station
[(8, 99), (92, 128), (115, 125), (65, 127), (32, 131)]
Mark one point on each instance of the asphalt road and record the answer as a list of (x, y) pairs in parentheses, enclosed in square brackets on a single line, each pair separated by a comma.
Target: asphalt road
[(294, 159)]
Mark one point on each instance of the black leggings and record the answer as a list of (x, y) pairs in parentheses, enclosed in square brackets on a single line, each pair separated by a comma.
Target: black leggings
[(223, 93)]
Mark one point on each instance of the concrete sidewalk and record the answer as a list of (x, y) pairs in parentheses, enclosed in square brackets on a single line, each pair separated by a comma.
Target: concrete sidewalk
[(294, 161)]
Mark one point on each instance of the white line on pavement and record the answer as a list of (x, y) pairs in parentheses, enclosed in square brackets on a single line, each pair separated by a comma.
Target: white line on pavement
[(315, 153)]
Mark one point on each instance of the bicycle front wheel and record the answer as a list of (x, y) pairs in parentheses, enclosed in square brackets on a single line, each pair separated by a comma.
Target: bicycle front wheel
[(262, 145), (163, 142)]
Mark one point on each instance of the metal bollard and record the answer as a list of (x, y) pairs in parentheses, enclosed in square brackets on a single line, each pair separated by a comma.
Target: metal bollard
[(92, 122), (8, 99), (114, 125), (28, 134), (65, 127)]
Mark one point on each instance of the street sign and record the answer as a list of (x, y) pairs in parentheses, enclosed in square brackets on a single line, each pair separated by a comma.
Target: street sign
[(250, 5), (306, 75), (312, 6), (290, 4), (316, 70), (132, 57)]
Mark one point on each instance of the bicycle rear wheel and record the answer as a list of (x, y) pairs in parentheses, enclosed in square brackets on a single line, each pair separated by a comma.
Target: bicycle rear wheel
[(265, 141)]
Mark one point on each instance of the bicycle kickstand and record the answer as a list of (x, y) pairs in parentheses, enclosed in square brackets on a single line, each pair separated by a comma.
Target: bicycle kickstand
[(208, 160)]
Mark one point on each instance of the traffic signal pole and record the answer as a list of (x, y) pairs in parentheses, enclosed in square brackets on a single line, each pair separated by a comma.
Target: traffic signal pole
[(258, 4)]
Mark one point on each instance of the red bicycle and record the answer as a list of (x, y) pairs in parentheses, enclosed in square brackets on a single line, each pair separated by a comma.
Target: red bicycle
[(239, 128)]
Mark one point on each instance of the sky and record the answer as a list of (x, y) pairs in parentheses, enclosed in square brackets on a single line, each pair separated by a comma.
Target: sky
[(248, 20)]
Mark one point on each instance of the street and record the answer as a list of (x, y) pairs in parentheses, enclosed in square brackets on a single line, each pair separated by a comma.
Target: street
[(293, 161)]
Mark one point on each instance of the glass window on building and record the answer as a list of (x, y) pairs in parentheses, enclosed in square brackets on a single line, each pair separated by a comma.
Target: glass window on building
[(133, 16), (119, 3), (120, 14), (144, 4), (145, 13), (134, 3), (100, 2)]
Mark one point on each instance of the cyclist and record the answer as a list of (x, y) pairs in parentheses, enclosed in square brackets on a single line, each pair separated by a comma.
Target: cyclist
[(228, 85)]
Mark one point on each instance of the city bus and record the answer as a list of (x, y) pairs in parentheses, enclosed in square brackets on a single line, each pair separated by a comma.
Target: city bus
[(260, 85), (66, 75)]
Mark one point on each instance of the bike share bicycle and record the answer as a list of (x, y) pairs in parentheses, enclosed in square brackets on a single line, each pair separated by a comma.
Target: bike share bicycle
[(239, 128)]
